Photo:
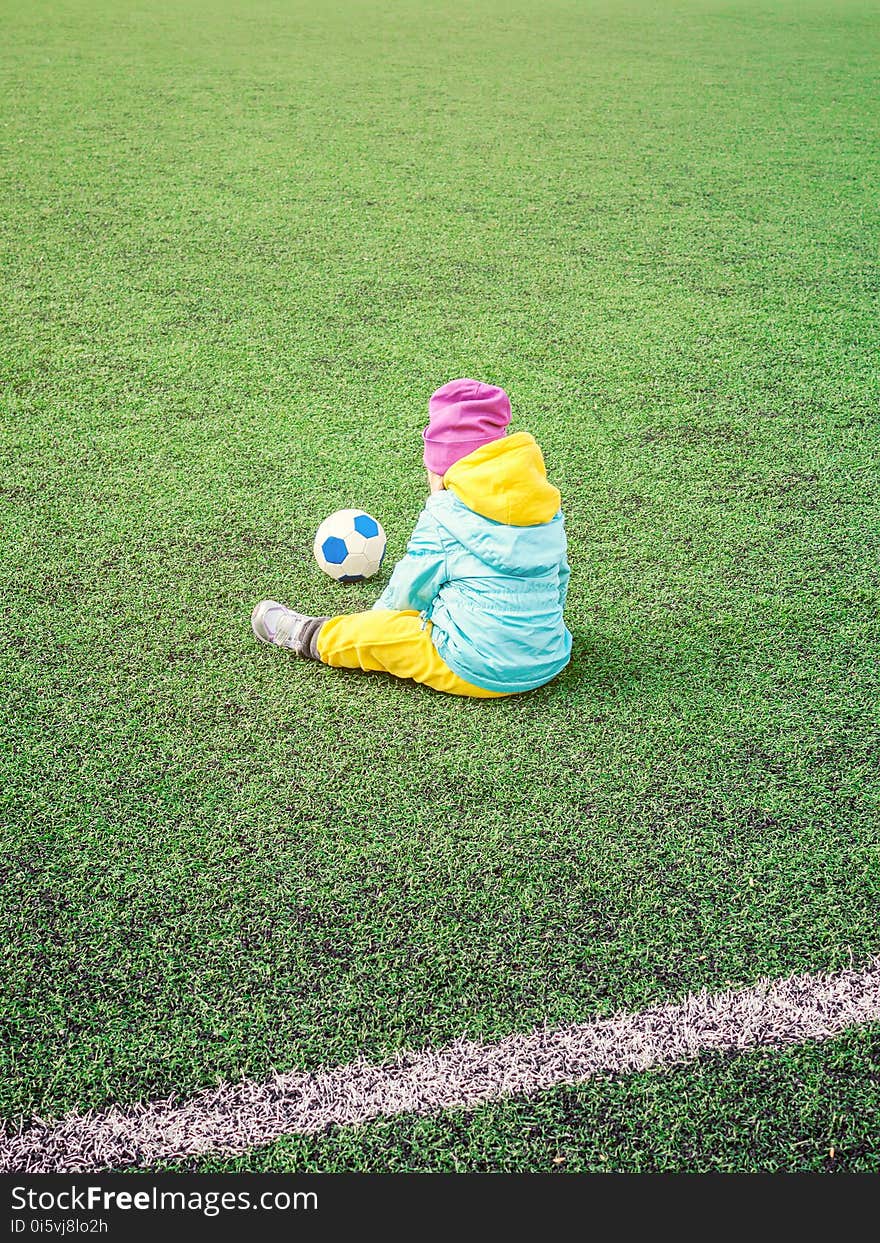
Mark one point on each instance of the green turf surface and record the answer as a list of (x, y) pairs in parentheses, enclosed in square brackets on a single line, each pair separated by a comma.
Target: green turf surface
[(241, 244), (810, 1108)]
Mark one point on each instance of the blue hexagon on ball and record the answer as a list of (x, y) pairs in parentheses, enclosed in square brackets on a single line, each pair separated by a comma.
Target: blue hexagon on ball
[(367, 526), (333, 550)]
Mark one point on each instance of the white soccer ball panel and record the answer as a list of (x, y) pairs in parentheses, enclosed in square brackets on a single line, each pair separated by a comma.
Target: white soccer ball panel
[(344, 520), (374, 550), (356, 564)]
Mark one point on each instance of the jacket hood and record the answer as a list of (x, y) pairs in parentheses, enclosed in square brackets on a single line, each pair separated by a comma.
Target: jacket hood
[(499, 505), (506, 480)]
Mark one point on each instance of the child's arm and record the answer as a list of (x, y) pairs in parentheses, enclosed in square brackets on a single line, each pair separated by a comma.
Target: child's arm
[(420, 574)]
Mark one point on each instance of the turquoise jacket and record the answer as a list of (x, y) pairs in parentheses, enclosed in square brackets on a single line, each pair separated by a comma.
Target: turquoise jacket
[(487, 566)]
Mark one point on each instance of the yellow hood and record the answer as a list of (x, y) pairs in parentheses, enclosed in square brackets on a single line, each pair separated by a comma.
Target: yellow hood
[(506, 480)]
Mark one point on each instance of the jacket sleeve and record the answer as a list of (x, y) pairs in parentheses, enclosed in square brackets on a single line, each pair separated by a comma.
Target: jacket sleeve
[(564, 576), (420, 573)]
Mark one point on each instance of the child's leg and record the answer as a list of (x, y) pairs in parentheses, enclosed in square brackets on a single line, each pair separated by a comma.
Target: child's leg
[(383, 641)]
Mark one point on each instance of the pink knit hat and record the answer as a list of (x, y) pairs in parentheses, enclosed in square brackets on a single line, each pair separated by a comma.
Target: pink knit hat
[(463, 416)]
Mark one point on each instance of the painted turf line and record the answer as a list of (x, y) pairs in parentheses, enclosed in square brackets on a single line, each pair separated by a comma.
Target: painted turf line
[(235, 1118)]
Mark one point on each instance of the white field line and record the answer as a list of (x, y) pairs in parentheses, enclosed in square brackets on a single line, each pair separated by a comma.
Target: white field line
[(237, 1117)]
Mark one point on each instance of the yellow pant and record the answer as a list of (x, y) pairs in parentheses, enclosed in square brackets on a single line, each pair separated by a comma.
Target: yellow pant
[(385, 641)]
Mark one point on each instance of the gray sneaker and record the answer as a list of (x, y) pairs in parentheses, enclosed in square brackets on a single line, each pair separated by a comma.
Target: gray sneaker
[(274, 623)]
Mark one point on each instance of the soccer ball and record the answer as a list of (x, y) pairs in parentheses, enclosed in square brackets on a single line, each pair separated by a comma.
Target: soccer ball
[(349, 545)]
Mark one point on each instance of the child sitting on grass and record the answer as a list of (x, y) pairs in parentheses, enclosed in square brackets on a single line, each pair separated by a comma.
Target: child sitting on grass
[(475, 606)]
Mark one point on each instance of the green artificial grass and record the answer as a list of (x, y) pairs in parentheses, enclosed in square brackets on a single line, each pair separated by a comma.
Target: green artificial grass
[(240, 245)]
